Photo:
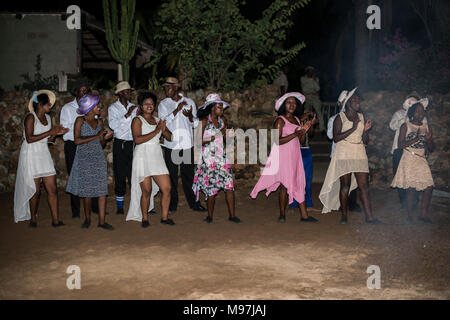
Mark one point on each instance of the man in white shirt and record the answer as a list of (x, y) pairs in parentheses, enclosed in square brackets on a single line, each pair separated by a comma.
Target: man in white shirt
[(311, 90), (67, 119), (120, 115), (180, 114)]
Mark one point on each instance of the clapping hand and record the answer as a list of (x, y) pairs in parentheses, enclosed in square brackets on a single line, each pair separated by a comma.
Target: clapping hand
[(161, 125), (109, 135), (59, 130), (368, 125)]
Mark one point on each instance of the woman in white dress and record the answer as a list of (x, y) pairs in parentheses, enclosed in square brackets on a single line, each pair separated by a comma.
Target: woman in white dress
[(349, 166), (35, 162), (149, 172)]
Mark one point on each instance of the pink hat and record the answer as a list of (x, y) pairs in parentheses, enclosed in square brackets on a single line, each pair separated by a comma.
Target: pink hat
[(213, 98), (296, 95)]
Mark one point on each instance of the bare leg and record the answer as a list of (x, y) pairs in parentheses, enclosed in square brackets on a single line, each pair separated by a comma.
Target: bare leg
[(362, 178), (87, 209), (229, 197), (343, 194), (211, 202), (163, 182), (426, 201), (101, 209), (146, 188), (34, 201), (52, 195), (410, 202), (283, 200), (303, 211)]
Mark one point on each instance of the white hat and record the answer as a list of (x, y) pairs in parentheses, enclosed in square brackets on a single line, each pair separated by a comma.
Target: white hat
[(123, 85), (412, 100), (50, 94), (345, 96)]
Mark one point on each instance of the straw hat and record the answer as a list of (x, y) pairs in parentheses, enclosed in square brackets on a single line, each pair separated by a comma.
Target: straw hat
[(171, 81), (296, 95), (123, 85), (50, 94), (87, 103)]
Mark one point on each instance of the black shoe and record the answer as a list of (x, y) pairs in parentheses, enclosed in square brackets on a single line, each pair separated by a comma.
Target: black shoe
[(33, 224), (309, 219), (208, 219), (59, 224), (426, 220), (152, 212), (374, 221), (168, 222), (145, 224), (198, 207), (86, 224), (106, 226), (343, 220), (120, 211), (75, 215), (282, 219), (235, 220)]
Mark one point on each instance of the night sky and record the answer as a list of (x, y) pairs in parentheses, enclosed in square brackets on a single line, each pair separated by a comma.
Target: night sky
[(318, 25)]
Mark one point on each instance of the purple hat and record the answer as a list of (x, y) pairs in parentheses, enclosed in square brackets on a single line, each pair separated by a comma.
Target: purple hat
[(214, 98), (87, 103), (296, 95)]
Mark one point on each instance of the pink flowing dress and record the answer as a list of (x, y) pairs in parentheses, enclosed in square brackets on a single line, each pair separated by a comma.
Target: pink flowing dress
[(284, 166)]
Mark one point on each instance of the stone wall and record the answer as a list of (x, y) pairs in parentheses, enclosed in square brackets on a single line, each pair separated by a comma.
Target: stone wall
[(251, 108)]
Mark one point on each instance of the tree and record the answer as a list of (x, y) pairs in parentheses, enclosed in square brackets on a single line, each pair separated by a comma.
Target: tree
[(219, 48), (121, 42)]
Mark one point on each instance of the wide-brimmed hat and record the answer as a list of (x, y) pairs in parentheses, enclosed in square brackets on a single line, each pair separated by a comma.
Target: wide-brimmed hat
[(78, 84), (171, 81), (213, 98), (123, 85), (87, 103), (412, 100), (50, 94), (345, 96), (296, 95)]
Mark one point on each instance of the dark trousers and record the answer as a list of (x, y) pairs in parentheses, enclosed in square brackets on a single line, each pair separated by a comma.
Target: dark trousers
[(70, 149), (122, 163), (401, 192), (308, 167), (187, 177)]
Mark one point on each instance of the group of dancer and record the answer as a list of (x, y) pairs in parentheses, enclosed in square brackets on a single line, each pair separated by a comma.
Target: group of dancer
[(140, 161)]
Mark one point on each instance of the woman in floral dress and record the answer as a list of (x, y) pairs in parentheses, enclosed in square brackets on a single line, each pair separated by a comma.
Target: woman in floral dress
[(214, 170)]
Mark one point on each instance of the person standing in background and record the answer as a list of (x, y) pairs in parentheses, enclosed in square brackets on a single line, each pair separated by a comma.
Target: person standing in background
[(311, 89), (67, 119), (282, 81)]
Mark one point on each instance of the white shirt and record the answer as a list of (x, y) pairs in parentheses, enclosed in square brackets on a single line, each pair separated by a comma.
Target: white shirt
[(179, 125), (330, 132), (397, 120), (67, 118), (117, 121)]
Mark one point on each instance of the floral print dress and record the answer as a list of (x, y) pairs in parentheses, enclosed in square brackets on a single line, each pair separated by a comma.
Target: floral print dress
[(214, 170)]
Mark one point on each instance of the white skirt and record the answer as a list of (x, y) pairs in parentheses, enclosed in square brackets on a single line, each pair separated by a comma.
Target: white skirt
[(148, 161), (35, 161)]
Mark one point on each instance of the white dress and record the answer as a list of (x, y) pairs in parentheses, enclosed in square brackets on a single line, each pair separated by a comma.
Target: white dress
[(35, 161), (349, 156), (148, 161)]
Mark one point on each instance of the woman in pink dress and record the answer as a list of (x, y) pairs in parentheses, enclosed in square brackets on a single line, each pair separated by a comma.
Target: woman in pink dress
[(289, 176)]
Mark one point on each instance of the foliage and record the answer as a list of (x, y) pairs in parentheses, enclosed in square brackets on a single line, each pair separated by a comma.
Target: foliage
[(408, 67), (220, 48), (38, 81), (121, 42)]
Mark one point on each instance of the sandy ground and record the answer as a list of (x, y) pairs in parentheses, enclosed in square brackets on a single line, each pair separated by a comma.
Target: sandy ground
[(260, 259)]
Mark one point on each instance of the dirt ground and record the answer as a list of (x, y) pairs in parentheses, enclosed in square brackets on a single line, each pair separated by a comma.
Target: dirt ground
[(260, 259)]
